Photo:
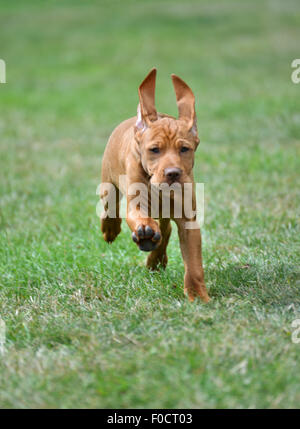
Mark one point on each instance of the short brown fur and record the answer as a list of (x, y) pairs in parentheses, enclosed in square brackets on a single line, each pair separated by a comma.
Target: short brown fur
[(132, 151)]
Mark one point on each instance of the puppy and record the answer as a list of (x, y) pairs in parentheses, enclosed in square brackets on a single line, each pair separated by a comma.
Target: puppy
[(149, 151)]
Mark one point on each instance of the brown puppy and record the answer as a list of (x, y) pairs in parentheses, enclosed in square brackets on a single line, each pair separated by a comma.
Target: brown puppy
[(150, 149)]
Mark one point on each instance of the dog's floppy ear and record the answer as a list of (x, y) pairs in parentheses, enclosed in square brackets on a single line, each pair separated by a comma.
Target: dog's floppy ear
[(146, 112), (186, 103)]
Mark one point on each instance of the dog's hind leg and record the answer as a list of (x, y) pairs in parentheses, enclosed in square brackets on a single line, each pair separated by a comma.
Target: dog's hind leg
[(110, 218), (158, 257)]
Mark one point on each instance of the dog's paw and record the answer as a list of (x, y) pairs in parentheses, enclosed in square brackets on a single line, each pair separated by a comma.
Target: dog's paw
[(146, 238), (197, 292), (157, 261), (110, 228)]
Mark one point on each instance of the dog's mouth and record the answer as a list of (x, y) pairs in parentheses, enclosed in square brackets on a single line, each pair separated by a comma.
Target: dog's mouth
[(171, 181), (156, 183)]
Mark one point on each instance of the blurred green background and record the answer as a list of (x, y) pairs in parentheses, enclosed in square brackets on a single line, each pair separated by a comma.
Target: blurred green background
[(86, 324)]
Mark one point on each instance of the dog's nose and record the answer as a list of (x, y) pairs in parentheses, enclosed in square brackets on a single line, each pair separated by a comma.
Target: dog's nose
[(172, 173)]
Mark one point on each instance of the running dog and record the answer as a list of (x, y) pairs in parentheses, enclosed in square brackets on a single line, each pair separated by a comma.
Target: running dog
[(154, 148)]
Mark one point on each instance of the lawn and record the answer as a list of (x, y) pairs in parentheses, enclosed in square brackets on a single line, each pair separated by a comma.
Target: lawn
[(86, 324)]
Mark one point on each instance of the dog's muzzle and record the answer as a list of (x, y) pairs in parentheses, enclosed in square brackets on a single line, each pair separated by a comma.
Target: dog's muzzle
[(172, 174)]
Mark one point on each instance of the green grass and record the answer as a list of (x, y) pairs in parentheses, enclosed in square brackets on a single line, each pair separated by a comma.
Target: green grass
[(86, 324)]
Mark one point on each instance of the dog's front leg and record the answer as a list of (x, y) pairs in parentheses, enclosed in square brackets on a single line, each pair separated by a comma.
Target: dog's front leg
[(145, 230), (159, 256), (190, 244)]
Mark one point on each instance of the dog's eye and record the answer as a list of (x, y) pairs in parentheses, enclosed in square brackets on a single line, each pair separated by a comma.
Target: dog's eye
[(184, 149), (154, 150)]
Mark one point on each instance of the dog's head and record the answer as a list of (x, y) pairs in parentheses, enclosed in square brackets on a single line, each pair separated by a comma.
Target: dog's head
[(166, 145)]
